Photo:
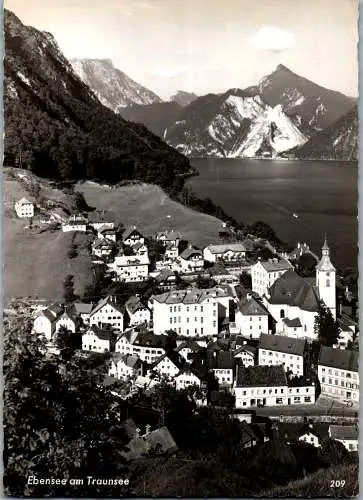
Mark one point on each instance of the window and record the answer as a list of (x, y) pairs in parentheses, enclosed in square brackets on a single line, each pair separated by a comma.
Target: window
[(282, 313), (214, 323), (328, 283), (279, 401), (307, 399)]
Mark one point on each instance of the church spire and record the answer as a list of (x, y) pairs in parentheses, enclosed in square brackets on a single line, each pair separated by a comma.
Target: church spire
[(325, 262)]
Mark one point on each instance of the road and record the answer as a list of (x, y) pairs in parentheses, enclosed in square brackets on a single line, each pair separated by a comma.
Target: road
[(323, 406)]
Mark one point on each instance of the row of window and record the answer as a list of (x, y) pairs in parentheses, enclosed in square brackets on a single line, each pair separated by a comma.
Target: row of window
[(342, 374), (342, 383)]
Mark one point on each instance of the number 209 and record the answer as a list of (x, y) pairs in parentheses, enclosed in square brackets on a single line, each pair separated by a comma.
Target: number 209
[(337, 483)]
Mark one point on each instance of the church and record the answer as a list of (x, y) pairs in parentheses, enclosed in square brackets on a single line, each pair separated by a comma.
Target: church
[(293, 301)]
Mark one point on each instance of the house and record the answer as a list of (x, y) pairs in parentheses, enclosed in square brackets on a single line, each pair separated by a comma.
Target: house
[(97, 339), (191, 260), (140, 249), (187, 378), (301, 249), (251, 317), (131, 268), (138, 313), (169, 364), (166, 279), (248, 436), (101, 219), (221, 275), (280, 350), (75, 223), (246, 354), (260, 386), (131, 236), (108, 312), (348, 435), (145, 344), (227, 252), (107, 234), (308, 432), (188, 349), (171, 251), (124, 366), (300, 391), (24, 208), (169, 237), (222, 364), (44, 323), (159, 441), (338, 374), (265, 273), (83, 310), (102, 247), (347, 331), (191, 312), (222, 399), (68, 320)]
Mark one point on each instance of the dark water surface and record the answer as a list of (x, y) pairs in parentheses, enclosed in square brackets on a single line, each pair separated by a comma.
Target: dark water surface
[(323, 194)]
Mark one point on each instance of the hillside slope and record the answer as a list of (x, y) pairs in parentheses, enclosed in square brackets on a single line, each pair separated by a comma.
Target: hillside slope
[(56, 126), (112, 86)]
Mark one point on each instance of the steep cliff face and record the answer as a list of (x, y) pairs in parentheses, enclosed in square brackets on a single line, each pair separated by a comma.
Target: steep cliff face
[(339, 141), (56, 126), (183, 98), (113, 88)]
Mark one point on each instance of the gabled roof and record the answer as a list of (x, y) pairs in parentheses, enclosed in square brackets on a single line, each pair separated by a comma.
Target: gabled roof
[(169, 235), (102, 242), (24, 201), (343, 359), (251, 307), (83, 308), (129, 231), (220, 360), (134, 304), (107, 300), (148, 338), (164, 275), (189, 252), (189, 344), (138, 246), (293, 431), (102, 334), (177, 360), (245, 348), (106, 230), (218, 269), (101, 216), (279, 343), (192, 295), (261, 376), (47, 314), (293, 290), (274, 265), (225, 247), (344, 432), (292, 323)]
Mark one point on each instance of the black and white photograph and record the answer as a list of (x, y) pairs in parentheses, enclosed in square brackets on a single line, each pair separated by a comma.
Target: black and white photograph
[(180, 249)]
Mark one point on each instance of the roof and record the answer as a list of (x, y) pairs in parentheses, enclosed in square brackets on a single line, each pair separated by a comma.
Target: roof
[(220, 360), (281, 343), (344, 432), (70, 313), (189, 252), (24, 201), (293, 290), (102, 242), (47, 314), (274, 265), (247, 433), (292, 323), (83, 308), (101, 333), (225, 247), (251, 307), (343, 359), (168, 235), (148, 338), (189, 344), (132, 260), (106, 230), (293, 431), (107, 300), (139, 446), (192, 295), (138, 246), (174, 356), (245, 348), (132, 360), (218, 269), (133, 304), (101, 216), (164, 275), (128, 232), (261, 376)]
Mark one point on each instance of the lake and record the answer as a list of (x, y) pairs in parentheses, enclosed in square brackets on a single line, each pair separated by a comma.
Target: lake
[(323, 194)]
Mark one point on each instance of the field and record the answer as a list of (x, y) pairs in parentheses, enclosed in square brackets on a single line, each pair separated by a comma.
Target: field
[(36, 263), (151, 210)]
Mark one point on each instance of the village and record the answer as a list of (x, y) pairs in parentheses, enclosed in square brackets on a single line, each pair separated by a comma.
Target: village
[(236, 327)]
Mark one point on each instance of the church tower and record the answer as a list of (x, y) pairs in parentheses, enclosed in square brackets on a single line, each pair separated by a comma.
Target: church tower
[(325, 280)]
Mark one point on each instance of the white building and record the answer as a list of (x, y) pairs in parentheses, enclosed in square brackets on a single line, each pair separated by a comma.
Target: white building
[(102, 247), (107, 234), (191, 312), (138, 313), (131, 236), (125, 366), (338, 374), (326, 280), (260, 386), (191, 260), (108, 312), (169, 237), (140, 249), (98, 340), (348, 435), (251, 317), (186, 379), (301, 394), (265, 273), (83, 310), (24, 208), (168, 365), (147, 346), (171, 251), (131, 268), (280, 350), (245, 353), (347, 331), (75, 223), (227, 252), (66, 320), (222, 364), (101, 219), (166, 279), (44, 323)]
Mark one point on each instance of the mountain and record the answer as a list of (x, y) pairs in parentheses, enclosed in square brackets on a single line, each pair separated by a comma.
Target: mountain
[(183, 98), (157, 117), (235, 124), (113, 88), (316, 106), (339, 141), (56, 127)]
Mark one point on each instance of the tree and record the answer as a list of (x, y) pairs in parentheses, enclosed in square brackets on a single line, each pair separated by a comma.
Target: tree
[(305, 265), (246, 280), (68, 287), (67, 341), (325, 327), (203, 282), (57, 418)]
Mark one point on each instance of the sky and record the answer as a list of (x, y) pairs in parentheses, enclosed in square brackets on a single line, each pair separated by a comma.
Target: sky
[(206, 46)]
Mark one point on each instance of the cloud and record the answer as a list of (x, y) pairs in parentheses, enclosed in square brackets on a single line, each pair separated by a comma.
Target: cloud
[(272, 38), (169, 72)]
